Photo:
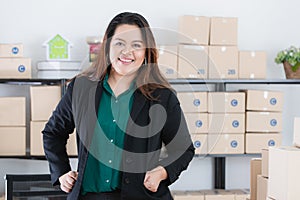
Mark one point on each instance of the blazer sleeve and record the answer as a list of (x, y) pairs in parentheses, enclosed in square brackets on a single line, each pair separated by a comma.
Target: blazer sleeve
[(56, 134), (177, 140)]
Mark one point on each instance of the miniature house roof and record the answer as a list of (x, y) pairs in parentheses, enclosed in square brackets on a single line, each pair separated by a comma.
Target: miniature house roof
[(58, 48)]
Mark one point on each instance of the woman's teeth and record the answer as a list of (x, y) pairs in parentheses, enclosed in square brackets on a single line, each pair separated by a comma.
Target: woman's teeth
[(125, 60)]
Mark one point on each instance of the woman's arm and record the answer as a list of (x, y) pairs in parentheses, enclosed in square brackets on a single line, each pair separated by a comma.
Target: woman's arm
[(56, 134), (177, 140)]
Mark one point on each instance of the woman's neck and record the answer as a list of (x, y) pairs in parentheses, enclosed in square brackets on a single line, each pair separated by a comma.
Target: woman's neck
[(119, 83)]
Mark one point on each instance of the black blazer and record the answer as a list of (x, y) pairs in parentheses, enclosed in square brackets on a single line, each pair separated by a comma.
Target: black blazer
[(149, 127)]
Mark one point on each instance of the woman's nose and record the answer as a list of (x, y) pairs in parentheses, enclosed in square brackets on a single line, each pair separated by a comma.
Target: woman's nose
[(127, 50)]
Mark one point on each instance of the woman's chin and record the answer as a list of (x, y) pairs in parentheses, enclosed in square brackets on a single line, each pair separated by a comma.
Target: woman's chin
[(121, 72)]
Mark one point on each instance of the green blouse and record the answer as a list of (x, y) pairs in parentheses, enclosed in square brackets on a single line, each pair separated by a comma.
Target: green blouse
[(102, 169)]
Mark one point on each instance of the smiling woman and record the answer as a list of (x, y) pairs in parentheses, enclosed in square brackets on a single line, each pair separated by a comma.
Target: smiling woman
[(127, 50), (123, 110)]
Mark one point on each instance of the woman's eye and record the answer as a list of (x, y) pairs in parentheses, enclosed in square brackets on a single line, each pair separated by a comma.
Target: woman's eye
[(119, 44), (137, 46)]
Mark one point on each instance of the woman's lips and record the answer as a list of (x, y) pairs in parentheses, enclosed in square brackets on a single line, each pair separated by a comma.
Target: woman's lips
[(125, 60)]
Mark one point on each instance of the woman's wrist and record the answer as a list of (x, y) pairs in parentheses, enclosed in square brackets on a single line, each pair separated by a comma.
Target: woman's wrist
[(163, 172)]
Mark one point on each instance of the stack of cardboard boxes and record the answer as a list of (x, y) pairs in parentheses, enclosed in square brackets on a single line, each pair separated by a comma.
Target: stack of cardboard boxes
[(208, 50), (211, 195), (12, 126), (12, 63), (44, 99), (193, 47), (226, 117), (255, 172), (275, 175), (283, 169), (194, 106), (219, 124), (263, 119)]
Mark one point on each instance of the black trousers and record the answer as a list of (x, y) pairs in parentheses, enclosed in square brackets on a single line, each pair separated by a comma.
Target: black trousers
[(116, 195)]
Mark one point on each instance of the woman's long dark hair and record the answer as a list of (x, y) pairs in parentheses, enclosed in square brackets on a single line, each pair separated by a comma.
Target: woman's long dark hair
[(149, 77)]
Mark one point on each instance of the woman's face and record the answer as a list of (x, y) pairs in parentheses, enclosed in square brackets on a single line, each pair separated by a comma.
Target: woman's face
[(127, 49)]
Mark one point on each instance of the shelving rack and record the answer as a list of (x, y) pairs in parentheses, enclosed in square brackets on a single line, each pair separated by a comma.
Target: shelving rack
[(220, 85)]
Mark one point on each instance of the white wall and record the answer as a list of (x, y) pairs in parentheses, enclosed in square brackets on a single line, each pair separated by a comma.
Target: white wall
[(263, 25)]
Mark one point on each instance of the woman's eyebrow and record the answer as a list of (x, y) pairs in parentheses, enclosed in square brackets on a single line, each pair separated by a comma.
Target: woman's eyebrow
[(119, 39)]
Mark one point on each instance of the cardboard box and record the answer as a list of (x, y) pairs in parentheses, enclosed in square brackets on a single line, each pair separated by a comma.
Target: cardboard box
[(200, 143), (263, 100), (223, 31), (193, 29), (223, 62), (255, 169), (193, 101), (225, 143), (167, 61), (240, 194), (192, 61), (284, 176), (255, 142), (219, 194), (226, 102), (226, 123), (15, 68), (36, 140), (187, 195), (252, 65), (262, 187), (12, 111), (197, 122), (44, 100), (296, 139), (263, 122), (13, 141), (11, 50), (265, 162)]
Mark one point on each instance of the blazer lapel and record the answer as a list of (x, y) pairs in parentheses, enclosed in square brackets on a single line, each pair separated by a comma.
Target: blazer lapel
[(98, 95), (138, 103)]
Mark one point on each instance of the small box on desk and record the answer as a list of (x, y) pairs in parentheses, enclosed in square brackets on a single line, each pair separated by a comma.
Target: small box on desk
[(255, 142), (264, 100), (15, 68), (191, 102), (194, 29), (13, 141), (226, 123), (200, 143), (252, 65), (44, 100), (223, 31), (263, 122), (226, 102), (167, 61), (284, 176), (225, 143), (193, 61), (36, 140), (12, 111), (197, 122), (223, 62), (11, 50)]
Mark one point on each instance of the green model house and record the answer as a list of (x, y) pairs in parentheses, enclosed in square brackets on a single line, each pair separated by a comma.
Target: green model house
[(58, 48)]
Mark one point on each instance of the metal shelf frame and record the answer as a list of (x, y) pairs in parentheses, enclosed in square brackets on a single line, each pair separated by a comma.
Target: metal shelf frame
[(220, 85)]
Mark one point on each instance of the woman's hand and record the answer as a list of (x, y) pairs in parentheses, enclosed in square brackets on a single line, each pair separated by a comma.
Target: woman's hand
[(154, 177), (67, 181)]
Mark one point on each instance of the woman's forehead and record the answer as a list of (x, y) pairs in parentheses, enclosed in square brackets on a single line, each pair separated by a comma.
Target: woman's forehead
[(126, 31)]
